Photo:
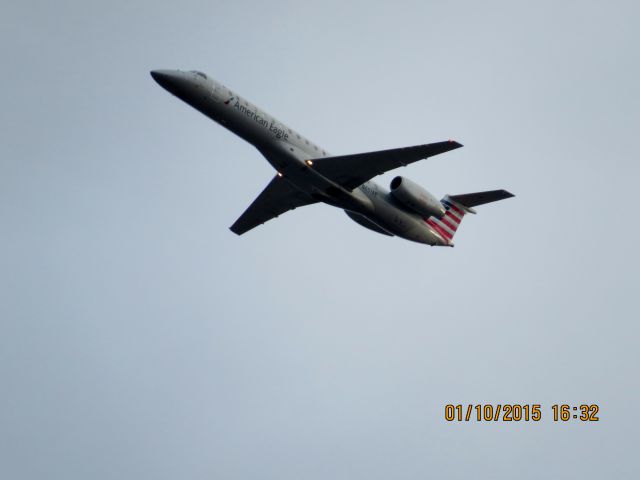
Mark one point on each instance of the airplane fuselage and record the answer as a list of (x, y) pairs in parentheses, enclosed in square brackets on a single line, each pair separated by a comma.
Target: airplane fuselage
[(292, 156)]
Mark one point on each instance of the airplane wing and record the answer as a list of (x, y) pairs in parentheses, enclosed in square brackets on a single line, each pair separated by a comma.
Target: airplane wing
[(277, 198), (351, 171)]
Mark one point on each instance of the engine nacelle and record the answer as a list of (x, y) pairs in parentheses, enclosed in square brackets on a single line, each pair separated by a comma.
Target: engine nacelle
[(416, 198)]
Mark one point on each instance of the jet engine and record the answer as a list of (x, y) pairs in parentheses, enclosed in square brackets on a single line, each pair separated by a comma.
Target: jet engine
[(416, 198)]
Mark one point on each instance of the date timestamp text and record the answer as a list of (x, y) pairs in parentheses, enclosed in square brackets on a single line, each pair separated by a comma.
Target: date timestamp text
[(515, 412)]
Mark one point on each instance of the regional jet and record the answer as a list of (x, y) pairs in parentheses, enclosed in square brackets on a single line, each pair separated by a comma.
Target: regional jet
[(307, 174)]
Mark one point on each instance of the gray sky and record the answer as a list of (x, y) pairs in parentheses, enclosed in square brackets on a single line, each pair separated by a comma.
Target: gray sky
[(140, 338)]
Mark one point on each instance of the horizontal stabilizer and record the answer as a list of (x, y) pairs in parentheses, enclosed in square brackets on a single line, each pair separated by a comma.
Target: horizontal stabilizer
[(480, 198)]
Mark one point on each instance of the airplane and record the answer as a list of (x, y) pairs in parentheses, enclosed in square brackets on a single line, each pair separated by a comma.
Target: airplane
[(307, 174)]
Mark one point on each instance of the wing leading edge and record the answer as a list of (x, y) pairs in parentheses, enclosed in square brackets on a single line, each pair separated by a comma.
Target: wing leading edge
[(277, 198)]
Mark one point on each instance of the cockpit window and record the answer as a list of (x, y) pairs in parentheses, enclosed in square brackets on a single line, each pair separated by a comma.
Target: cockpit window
[(200, 74)]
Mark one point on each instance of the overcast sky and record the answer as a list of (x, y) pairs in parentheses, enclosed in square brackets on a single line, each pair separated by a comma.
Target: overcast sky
[(140, 338)]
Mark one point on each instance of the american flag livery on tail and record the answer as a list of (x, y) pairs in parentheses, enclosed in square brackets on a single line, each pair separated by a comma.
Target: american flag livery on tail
[(447, 225)]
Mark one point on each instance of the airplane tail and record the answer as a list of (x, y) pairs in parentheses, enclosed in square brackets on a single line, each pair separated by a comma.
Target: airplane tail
[(457, 206), (448, 224)]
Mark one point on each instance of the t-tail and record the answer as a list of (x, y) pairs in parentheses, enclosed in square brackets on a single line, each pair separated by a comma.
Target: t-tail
[(457, 206)]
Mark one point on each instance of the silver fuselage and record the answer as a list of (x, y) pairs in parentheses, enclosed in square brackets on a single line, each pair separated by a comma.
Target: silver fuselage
[(292, 156)]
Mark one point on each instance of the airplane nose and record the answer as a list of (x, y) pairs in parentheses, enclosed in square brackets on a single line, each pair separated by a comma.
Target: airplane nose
[(165, 77), (174, 81), (158, 74)]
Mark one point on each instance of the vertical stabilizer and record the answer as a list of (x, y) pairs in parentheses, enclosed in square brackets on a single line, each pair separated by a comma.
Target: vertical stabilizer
[(448, 224)]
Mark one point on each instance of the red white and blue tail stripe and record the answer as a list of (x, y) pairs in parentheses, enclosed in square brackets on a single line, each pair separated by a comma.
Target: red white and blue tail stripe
[(446, 226)]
